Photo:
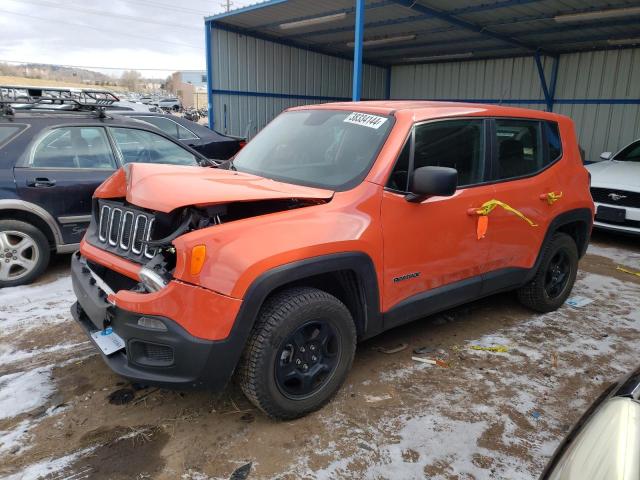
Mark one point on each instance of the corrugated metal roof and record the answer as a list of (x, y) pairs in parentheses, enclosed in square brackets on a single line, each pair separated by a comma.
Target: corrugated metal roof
[(475, 28)]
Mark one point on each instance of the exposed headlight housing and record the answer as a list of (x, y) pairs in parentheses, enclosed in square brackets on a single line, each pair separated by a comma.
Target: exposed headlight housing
[(151, 280)]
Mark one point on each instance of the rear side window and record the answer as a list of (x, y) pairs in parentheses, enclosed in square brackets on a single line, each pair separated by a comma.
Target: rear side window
[(519, 145), (8, 131), (164, 124), (74, 147)]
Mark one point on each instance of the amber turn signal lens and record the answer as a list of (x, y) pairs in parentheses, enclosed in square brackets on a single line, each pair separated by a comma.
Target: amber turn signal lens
[(198, 253)]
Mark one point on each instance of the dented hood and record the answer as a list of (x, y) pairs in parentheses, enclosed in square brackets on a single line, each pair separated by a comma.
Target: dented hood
[(167, 187)]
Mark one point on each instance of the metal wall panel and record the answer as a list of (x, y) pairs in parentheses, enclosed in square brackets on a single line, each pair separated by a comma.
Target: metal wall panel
[(600, 75), (254, 66), (608, 74), (505, 78)]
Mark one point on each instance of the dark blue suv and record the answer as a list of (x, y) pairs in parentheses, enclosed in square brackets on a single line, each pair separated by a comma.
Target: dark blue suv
[(51, 161)]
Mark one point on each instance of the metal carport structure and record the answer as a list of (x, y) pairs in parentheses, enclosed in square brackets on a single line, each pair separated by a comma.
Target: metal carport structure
[(576, 58)]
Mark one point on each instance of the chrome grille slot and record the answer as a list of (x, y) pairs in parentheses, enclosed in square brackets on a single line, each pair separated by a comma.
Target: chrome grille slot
[(149, 252), (127, 227), (103, 227), (114, 226), (124, 230), (139, 234)]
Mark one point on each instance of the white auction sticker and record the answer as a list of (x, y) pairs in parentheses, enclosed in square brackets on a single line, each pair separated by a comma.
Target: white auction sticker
[(365, 120)]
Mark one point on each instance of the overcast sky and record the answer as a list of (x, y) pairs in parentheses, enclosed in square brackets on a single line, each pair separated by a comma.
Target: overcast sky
[(131, 34)]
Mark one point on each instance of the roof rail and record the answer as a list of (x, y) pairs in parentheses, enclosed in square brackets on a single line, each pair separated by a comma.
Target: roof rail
[(27, 98)]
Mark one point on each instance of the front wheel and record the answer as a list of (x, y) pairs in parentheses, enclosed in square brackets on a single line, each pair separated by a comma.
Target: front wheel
[(24, 253), (299, 353), (555, 277)]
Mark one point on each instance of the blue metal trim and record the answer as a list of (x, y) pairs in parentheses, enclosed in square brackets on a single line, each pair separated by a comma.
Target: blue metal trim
[(387, 85), (543, 81), (396, 21), (554, 80), (412, 5), (598, 101), (356, 89), (256, 6), (288, 43), (289, 96), (519, 101), (207, 38), (506, 101)]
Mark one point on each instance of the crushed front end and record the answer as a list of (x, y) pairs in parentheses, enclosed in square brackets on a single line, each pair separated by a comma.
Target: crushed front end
[(149, 326)]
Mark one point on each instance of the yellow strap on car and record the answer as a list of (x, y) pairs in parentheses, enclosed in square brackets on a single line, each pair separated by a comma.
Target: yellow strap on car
[(553, 197), (488, 207)]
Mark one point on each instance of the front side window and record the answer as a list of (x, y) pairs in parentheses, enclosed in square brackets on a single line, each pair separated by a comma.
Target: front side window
[(629, 154), (140, 146), (74, 147), (455, 144), (331, 149), (519, 145)]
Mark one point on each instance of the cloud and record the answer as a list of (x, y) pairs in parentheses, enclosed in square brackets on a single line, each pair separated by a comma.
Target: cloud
[(144, 34)]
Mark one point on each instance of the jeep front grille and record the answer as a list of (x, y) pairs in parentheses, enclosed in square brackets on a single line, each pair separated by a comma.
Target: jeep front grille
[(125, 230)]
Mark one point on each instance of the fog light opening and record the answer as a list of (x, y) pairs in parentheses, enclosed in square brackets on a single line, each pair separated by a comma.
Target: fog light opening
[(152, 324)]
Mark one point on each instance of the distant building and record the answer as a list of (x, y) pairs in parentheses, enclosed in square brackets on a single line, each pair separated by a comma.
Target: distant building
[(191, 87)]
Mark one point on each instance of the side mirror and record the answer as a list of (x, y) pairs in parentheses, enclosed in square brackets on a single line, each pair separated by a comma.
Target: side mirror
[(432, 181), (606, 155)]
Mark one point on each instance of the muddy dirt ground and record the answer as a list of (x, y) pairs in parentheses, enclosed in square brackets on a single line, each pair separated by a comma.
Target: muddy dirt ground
[(490, 414)]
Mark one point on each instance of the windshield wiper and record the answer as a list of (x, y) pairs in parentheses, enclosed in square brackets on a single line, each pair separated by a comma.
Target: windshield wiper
[(228, 165)]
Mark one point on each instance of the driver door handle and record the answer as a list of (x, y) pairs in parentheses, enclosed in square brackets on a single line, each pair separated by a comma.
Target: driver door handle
[(41, 182)]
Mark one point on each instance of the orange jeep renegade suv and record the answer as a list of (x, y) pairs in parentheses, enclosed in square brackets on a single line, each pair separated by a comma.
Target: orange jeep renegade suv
[(335, 223)]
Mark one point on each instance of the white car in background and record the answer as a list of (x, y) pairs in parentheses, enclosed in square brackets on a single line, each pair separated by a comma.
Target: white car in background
[(615, 188), (171, 103)]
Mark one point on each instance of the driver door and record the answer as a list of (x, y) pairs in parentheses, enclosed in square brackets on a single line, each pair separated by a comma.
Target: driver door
[(432, 255)]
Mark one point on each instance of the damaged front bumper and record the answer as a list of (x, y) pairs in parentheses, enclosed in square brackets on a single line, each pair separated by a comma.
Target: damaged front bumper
[(168, 356)]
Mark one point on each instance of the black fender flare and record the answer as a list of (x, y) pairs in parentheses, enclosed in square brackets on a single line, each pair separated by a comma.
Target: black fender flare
[(269, 281)]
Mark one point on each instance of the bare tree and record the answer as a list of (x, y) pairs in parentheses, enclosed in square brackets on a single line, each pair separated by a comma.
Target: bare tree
[(130, 79)]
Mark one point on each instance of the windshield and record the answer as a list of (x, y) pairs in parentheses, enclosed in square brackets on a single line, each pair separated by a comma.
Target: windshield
[(630, 154), (331, 149)]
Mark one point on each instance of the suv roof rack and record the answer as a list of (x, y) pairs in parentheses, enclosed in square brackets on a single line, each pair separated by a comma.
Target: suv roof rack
[(22, 97)]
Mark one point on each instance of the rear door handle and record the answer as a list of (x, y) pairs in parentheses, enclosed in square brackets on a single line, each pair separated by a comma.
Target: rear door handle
[(41, 182)]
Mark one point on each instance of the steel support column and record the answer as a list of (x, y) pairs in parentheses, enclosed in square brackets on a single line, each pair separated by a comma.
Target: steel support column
[(543, 82), (208, 27), (356, 90)]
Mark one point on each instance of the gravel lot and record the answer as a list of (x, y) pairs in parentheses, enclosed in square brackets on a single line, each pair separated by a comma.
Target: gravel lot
[(490, 414)]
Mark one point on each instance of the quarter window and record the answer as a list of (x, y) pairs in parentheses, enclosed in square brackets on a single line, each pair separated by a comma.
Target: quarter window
[(554, 144), (7, 131), (74, 147)]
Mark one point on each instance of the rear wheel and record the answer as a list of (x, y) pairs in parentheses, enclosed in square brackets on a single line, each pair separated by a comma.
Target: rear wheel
[(555, 277), (24, 253), (299, 353)]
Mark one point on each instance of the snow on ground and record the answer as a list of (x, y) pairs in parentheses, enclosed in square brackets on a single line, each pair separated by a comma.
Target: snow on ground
[(48, 468), (512, 431), (8, 355), (24, 391), (499, 421), (626, 258), (31, 307)]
